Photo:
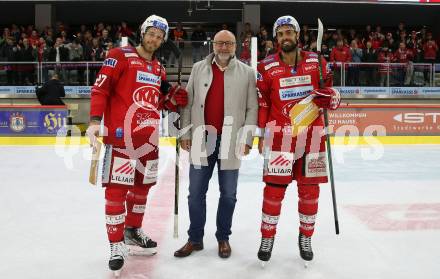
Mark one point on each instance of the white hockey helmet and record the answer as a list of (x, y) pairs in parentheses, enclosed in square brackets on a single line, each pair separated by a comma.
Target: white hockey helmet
[(155, 21), (285, 20)]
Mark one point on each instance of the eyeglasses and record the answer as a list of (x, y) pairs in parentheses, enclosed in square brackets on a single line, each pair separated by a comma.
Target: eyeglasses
[(223, 43)]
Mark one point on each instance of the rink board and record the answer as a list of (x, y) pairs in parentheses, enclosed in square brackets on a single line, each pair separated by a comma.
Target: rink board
[(169, 141)]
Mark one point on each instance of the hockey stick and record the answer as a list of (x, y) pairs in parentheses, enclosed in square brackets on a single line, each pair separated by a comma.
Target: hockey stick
[(176, 170), (329, 150), (96, 150)]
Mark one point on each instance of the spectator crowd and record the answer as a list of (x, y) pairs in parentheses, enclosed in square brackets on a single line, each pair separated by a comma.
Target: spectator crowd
[(62, 43), (401, 45)]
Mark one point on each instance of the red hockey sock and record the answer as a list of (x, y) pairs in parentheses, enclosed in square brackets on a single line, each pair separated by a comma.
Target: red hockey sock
[(115, 212), (308, 195), (273, 196), (136, 200)]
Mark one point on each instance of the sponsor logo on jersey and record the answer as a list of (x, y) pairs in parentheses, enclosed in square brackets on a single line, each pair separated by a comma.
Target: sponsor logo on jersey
[(147, 119), (150, 174), (110, 62), (293, 71), (138, 208), (268, 59), (259, 76), (271, 65), (114, 219), (280, 163), (131, 54), (127, 49), (295, 92), (312, 60), (306, 227), (267, 227), (298, 80), (277, 71), (148, 78), (149, 68), (314, 55), (270, 219), (146, 97), (123, 171), (311, 67), (308, 219), (135, 63), (316, 165)]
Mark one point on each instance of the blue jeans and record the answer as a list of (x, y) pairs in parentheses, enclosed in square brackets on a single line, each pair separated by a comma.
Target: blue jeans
[(199, 177)]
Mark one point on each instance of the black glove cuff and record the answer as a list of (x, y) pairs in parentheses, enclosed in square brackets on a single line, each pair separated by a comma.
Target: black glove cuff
[(165, 87)]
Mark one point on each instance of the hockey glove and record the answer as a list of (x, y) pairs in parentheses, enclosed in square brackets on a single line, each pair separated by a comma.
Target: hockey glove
[(327, 98), (179, 95)]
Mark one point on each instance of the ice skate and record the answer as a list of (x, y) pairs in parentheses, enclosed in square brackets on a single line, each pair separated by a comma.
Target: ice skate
[(305, 248), (265, 251), (118, 254), (139, 244)]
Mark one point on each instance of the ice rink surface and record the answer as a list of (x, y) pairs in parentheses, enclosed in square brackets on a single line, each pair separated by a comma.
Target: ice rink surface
[(53, 224)]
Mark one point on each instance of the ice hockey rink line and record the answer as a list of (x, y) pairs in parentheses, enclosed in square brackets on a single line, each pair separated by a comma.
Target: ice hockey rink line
[(52, 223)]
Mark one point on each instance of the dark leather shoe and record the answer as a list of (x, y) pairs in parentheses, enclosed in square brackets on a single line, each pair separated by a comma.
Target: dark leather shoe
[(224, 249), (188, 248)]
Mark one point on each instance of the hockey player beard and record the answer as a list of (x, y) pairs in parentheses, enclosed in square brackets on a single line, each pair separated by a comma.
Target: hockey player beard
[(149, 47), (288, 46)]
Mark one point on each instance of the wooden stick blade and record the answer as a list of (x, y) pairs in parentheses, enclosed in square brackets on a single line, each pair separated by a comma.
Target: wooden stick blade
[(320, 33), (96, 150)]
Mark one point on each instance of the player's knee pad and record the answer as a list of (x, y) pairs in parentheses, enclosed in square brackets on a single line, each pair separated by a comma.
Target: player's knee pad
[(137, 198), (138, 194), (273, 196), (308, 191), (115, 200), (275, 191), (308, 197)]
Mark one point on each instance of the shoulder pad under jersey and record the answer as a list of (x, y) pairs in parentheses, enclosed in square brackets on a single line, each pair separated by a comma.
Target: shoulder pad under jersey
[(128, 52), (310, 57), (113, 58), (268, 59), (310, 54)]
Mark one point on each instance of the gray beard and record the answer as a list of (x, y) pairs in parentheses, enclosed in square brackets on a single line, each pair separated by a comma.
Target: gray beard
[(223, 57)]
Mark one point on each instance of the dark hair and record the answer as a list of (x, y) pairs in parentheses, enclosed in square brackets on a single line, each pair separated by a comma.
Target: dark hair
[(50, 43)]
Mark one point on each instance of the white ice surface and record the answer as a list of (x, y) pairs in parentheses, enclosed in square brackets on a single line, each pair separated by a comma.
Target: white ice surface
[(52, 220)]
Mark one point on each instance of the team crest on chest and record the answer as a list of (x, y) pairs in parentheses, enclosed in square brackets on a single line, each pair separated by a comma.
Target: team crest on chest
[(146, 97), (286, 109)]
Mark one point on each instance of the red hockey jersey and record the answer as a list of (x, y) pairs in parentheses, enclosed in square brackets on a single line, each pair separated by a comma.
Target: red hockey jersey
[(280, 87), (127, 93)]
